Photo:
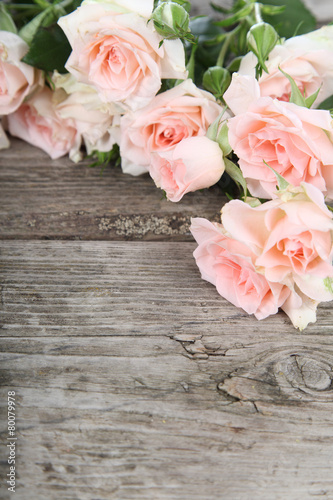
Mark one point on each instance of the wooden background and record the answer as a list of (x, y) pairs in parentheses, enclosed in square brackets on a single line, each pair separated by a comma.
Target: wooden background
[(134, 379)]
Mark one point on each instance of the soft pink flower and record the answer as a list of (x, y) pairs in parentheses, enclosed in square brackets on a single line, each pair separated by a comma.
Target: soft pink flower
[(292, 238), (308, 59), (117, 51), (181, 112), (37, 123), (17, 79), (195, 163), (95, 121), (230, 265), (295, 141)]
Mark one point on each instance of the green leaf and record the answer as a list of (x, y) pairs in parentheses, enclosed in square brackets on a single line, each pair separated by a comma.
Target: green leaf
[(6, 20), (327, 104), (49, 50), (235, 18), (30, 30), (295, 13), (235, 173)]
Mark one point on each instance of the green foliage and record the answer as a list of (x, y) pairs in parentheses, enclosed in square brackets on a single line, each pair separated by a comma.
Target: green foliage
[(216, 80), (327, 104), (261, 40), (6, 21), (295, 14), (49, 50), (104, 159)]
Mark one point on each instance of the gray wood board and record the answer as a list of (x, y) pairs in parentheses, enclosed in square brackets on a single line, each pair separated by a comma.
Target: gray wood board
[(57, 199), (136, 380)]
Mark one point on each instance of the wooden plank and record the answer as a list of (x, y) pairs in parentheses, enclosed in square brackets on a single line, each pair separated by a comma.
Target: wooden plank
[(57, 199), (135, 380)]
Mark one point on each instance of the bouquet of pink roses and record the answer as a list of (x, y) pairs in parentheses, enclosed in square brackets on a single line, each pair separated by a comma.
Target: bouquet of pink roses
[(189, 101)]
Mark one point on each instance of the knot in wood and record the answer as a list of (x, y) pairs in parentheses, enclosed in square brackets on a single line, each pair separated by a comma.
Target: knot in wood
[(303, 371)]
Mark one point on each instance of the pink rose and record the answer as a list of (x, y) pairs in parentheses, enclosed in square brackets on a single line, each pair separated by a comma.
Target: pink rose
[(230, 266), (308, 59), (195, 163), (117, 51), (17, 79), (295, 141), (291, 237), (37, 122), (181, 112), (95, 121)]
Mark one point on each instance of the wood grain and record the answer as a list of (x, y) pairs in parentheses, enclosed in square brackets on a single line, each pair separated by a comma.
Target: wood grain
[(57, 199), (135, 380)]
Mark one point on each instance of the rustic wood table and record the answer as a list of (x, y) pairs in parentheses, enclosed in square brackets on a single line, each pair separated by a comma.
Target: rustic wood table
[(133, 378)]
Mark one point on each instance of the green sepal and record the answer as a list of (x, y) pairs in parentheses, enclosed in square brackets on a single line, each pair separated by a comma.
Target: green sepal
[(328, 283), (311, 99), (6, 20), (45, 18), (219, 133), (235, 173), (282, 183), (296, 96)]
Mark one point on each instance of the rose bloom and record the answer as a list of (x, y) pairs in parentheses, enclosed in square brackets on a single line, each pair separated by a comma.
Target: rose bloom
[(17, 79), (292, 238), (308, 59), (117, 51), (295, 141), (195, 163), (37, 123), (181, 112), (229, 265), (95, 121)]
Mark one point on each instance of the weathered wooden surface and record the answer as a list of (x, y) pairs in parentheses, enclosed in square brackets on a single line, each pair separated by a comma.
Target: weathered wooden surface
[(134, 378), (63, 200)]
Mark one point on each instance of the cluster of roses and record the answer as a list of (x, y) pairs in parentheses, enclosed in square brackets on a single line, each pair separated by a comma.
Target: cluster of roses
[(264, 255)]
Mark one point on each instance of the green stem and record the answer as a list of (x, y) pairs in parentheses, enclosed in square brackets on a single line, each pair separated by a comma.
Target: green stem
[(225, 46), (23, 6), (257, 13)]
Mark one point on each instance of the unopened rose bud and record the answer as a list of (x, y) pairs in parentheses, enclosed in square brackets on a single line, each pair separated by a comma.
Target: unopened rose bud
[(171, 20), (216, 80), (261, 40)]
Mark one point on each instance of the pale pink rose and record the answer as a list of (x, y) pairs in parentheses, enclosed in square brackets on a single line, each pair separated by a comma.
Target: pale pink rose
[(37, 123), (17, 79), (181, 112), (230, 266), (117, 51), (295, 141), (95, 121), (308, 59), (292, 238), (195, 163)]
